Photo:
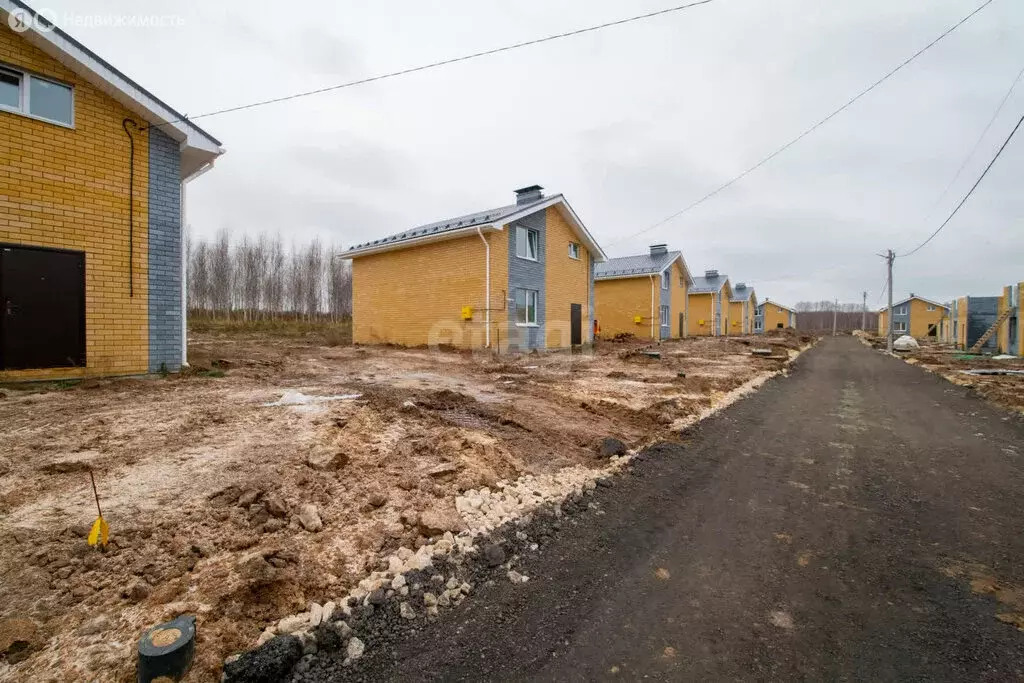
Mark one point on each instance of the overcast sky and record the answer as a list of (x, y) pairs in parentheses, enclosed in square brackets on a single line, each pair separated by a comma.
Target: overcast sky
[(631, 123)]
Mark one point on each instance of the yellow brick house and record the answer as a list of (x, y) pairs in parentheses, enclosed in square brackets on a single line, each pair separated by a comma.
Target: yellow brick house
[(708, 303), (516, 277), (91, 199), (772, 315), (644, 295), (742, 309), (916, 316)]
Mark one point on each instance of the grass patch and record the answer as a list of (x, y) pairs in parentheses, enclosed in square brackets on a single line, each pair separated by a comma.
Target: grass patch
[(326, 331)]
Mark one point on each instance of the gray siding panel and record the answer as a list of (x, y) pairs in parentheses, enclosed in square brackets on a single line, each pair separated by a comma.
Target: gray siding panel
[(527, 274), (982, 312), (164, 252)]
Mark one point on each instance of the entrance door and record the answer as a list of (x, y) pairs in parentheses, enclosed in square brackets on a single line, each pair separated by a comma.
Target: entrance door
[(576, 324), (42, 308), (682, 325)]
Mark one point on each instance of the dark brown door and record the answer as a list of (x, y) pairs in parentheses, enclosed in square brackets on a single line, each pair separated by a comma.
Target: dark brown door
[(576, 324), (682, 325), (42, 308)]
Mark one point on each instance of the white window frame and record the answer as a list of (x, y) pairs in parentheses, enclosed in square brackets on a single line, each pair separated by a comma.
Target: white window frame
[(901, 310), (665, 318), (574, 250), (530, 294), (931, 307), (24, 97), (758, 324), (899, 326), (666, 280), (523, 243)]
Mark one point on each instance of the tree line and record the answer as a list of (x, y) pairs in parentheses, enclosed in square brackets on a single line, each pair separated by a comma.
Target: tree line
[(259, 278)]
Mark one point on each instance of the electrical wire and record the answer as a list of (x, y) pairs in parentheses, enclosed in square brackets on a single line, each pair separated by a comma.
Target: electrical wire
[(446, 62), (807, 132), (969, 192), (974, 149)]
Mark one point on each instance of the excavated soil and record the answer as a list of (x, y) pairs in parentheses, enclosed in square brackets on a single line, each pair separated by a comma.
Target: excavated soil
[(203, 483)]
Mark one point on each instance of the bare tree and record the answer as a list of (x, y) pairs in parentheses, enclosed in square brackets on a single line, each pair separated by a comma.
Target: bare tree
[(314, 277), (339, 285), (221, 273), (273, 289)]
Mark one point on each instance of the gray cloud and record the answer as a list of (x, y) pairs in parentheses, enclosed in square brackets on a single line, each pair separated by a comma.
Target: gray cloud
[(632, 124)]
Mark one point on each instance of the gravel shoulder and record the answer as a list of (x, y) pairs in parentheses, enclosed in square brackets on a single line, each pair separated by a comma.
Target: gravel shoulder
[(858, 519)]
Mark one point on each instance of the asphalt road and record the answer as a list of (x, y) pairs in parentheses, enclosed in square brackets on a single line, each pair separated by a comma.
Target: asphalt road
[(860, 519)]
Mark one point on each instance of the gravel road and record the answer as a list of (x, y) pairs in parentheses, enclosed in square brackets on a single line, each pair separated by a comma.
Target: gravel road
[(858, 520)]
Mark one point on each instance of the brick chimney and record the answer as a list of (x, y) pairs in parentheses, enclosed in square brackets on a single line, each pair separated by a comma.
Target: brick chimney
[(711, 274), (659, 249)]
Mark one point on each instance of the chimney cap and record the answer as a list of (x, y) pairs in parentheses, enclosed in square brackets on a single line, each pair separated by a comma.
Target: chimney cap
[(710, 274), (659, 249), (741, 285), (529, 189)]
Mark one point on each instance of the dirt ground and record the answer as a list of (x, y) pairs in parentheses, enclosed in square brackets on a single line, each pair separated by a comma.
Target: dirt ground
[(1006, 391), (203, 482)]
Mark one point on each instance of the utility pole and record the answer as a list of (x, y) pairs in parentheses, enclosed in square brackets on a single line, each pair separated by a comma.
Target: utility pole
[(864, 313), (835, 315), (889, 258)]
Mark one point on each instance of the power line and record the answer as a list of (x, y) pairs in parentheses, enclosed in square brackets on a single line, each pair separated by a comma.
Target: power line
[(974, 149), (810, 130), (969, 192), (445, 62)]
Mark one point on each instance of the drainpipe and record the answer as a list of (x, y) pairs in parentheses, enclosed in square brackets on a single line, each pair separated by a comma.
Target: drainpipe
[(184, 266), (652, 307), (487, 286)]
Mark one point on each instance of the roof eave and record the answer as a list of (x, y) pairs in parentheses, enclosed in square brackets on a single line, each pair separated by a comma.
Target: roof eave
[(417, 241)]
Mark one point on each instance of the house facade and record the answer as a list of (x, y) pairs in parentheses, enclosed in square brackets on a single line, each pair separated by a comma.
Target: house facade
[(774, 316), (742, 309), (643, 295), (93, 171), (916, 316), (970, 317), (517, 277), (709, 305)]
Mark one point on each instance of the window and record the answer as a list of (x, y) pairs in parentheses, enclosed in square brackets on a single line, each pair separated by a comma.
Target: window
[(900, 326), (664, 279), (36, 97), (758, 323), (574, 250), (527, 243), (902, 310), (526, 307), (931, 307), (664, 316)]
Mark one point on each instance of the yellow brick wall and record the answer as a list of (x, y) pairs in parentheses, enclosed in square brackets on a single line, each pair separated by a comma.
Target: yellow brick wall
[(414, 296), (773, 315), (921, 318), (618, 302), (680, 290), (1020, 320), (1003, 333), (701, 315), (737, 318), (566, 281), (68, 188), (961, 331)]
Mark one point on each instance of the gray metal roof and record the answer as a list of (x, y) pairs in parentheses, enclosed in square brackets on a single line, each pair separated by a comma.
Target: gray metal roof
[(741, 293), (641, 264), (458, 223), (911, 298), (706, 285)]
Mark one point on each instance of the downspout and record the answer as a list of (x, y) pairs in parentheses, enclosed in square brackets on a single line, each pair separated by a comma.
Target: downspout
[(131, 205), (652, 307), (184, 265), (487, 286)]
